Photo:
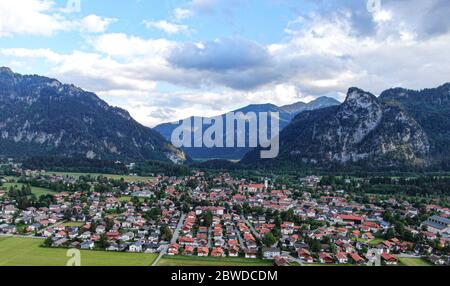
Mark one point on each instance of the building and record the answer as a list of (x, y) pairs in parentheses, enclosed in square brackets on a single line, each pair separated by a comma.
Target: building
[(271, 253), (437, 224)]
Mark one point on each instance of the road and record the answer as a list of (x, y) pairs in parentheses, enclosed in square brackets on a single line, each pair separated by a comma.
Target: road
[(21, 236), (52, 226), (239, 235), (209, 245), (255, 233), (174, 239)]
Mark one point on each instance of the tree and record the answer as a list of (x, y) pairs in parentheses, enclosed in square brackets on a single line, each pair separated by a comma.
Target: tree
[(269, 239), (166, 233), (390, 233)]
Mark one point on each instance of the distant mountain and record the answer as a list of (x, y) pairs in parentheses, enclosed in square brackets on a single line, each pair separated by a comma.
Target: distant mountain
[(394, 131), (287, 113), (40, 116)]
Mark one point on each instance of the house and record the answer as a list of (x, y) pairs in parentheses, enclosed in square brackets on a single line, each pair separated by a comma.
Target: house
[(9, 210), (188, 251), (325, 258), (281, 261), (217, 252), (135, 247), (270, 252), (251, 253), (89, 244), (342, 257), (173, 249), (113, 247), (202, 251), (233, 251), (385, 246), (351, 219), (389, 259), (305, 255), (356, 259)]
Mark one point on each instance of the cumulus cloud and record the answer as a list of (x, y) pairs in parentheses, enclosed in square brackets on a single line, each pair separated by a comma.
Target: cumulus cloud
[(42, 18), (324, 53), (95, 24)]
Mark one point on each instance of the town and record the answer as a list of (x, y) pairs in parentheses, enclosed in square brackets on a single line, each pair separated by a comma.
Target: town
[(276, 221)]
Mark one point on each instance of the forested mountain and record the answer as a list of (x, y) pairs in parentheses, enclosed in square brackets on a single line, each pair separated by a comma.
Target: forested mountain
[(287, 113), (400, 129), (40, 116)]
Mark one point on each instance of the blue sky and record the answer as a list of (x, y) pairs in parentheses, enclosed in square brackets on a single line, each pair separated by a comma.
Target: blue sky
[(166, 60)]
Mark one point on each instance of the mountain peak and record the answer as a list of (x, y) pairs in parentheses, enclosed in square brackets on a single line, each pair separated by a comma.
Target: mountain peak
[(5, 70), (358, 95)]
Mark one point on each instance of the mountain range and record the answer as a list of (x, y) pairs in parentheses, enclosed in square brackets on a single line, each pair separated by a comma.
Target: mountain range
[(399, 129), (40, 116), (286, 114)]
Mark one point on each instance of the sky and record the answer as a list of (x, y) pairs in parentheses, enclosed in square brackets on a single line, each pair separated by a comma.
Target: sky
[(168, 60)]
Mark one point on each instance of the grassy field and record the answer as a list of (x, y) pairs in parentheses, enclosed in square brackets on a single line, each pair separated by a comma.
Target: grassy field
[(211, 261), (27, 252), (414, 262), (35, 190), (115, 177)]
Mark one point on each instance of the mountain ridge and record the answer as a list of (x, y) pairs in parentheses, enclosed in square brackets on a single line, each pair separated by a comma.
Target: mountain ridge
[(287, 113), (42, 116), (376, 132)]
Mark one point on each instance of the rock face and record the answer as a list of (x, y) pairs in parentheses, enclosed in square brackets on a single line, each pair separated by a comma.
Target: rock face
[(431, 109), (362, 129), (287, 113), (41, 116)]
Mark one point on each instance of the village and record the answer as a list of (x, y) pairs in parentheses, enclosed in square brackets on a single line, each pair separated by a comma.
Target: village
[(218, 215)]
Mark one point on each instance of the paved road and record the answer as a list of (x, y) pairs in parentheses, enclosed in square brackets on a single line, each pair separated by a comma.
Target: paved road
[(173, 240), (255, 233), (20, 236), (209, 244), (239, 235), (176, 233), (52, 226)]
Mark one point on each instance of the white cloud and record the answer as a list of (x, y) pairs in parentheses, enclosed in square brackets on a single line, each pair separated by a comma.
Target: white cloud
[(181, 14), (168, 27), (95, 24), (42, 18), (321, 55)]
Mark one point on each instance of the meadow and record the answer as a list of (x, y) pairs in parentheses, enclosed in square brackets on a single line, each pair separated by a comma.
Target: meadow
[(28, 252), (35, 190)]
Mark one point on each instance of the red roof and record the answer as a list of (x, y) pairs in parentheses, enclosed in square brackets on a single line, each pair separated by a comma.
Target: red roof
[(351, 217)]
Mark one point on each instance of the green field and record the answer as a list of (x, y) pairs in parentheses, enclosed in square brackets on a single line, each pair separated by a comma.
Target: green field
[(414, 262), (115, 177), (27, 252), (35, 190), (211, 261)]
